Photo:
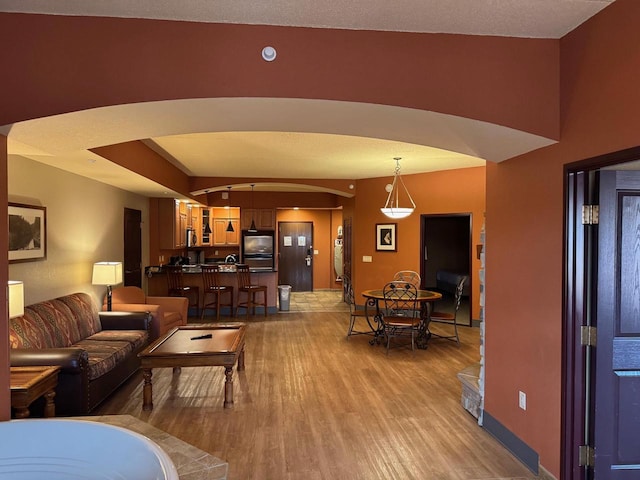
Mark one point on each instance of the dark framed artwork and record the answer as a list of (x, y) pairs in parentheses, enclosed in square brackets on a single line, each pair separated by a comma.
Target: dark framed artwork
[(27, 233), (386, 235)]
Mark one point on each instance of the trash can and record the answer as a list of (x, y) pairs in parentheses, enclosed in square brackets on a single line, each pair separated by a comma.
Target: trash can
[(284, 295)]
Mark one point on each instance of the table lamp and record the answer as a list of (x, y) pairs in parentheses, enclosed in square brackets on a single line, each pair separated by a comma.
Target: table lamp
[(109, 274), (15, 298)]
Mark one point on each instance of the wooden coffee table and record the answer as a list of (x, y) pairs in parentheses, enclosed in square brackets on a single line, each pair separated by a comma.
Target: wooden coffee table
[(222, 345), (31, 383)]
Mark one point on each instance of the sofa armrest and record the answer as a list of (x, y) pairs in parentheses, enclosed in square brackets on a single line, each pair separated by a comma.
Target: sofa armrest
[(70, 359), (172, 304), (156, 311), (120, 320)]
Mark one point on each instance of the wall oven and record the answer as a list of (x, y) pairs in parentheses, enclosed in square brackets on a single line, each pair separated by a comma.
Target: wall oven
[(257, 250)]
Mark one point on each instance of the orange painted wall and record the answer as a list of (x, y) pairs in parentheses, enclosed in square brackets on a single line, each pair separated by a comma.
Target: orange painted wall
[(450, 191), (600, 74)]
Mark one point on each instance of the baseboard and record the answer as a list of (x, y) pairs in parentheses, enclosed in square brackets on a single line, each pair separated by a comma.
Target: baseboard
[(517, 447)]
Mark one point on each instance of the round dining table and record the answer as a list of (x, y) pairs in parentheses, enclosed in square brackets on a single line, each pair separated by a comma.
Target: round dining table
[(425, 299)]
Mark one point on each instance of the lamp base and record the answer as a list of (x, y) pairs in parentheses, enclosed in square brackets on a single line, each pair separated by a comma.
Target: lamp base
[(109, 304)]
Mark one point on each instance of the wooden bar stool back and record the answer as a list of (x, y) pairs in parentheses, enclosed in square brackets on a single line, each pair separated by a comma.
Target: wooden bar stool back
[(177, 288), (246, 287), (211, 283)]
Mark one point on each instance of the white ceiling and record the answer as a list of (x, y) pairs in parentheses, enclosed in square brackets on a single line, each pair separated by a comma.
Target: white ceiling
[(251, 143)]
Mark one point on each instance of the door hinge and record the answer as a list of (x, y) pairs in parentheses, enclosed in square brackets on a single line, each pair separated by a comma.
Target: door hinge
[(585, 456), (588, 336), (590, 214)]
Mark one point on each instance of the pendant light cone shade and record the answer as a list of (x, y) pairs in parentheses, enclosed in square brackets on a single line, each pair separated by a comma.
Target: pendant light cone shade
[(252, 228), (398, 192), (229, 225)]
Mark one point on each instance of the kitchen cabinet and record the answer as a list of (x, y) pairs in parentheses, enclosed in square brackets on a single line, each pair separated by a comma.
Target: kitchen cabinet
[(173, 221), (221, 236), (265, 218), (194, 222), (221, 219), (206, 237)]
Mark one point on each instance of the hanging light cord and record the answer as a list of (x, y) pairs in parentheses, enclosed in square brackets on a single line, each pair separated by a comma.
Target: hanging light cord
[(394, 189)]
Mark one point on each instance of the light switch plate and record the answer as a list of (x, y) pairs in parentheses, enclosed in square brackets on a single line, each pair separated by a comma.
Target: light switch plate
[(367, 258)]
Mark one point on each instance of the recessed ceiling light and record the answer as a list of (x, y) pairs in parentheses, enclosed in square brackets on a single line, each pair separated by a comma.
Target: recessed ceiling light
[(269, 54)]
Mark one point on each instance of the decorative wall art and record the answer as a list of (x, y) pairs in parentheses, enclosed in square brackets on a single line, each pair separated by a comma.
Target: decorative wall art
[(386, 237), (27, 233)]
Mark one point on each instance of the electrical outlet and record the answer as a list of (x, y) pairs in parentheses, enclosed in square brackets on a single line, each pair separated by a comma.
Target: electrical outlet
[(522, 400)]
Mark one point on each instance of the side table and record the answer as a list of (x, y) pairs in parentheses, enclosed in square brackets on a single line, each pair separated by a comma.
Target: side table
[(31, 383)]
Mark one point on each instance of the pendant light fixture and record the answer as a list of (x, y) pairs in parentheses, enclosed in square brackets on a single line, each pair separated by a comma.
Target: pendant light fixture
[(252, 228), (392, 208), (229, 225)]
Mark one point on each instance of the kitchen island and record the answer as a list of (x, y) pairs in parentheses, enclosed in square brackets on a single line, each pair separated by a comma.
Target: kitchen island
[(157, 286)]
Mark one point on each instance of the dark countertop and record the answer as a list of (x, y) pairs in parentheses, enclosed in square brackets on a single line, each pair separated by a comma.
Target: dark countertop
[(189, 269)]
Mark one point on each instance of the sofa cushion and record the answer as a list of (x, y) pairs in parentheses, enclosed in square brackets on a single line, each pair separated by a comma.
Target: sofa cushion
[(104, 355), (137, 338), (60, 322), (84, 312)]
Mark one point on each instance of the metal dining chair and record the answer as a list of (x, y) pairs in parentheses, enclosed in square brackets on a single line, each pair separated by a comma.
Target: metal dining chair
[(354, 312), (451, 317), (407, 276), (177, 288), (212, 287), (246, 287), (401, 316)]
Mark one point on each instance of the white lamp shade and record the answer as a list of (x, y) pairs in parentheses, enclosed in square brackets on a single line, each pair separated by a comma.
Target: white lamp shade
[(107, 273), (16, 298)]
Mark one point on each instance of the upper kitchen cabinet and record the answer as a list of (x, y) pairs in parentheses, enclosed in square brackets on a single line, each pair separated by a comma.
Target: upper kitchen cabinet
[(265, 218), (206, 222), (221, 219), (173, 219), (195, 222)]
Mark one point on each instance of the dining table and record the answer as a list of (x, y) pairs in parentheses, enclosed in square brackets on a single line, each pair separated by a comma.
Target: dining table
[(425, 299)]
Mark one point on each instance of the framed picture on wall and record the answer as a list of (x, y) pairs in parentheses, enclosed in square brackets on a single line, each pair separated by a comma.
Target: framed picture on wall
[(386, 237), (27, 233)]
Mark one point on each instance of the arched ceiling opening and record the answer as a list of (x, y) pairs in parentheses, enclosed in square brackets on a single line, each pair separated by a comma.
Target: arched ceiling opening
[(270, 138)]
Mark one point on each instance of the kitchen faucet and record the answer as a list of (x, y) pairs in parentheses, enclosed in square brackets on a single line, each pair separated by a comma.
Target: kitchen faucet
[(231, 258)]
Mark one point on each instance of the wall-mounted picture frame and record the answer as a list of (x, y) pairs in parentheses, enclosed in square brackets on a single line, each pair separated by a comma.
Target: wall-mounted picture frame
[(27, 233), (386, 234)]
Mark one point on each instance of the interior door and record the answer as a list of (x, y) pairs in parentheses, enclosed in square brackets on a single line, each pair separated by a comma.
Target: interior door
[(446, 245), (295, 254), (617, 389), (132, 247)]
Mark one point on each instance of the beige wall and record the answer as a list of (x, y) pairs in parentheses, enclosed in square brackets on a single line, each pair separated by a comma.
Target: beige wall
[(84, 225)]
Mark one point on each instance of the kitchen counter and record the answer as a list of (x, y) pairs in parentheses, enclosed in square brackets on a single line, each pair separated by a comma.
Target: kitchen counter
[(157, 285)]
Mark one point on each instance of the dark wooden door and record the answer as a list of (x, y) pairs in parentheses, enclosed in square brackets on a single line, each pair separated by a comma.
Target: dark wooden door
[(617, 389), (132, 247), (295, 250)]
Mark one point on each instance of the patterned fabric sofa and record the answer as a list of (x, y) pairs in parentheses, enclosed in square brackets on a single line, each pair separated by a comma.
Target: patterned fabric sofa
[(96, 351)]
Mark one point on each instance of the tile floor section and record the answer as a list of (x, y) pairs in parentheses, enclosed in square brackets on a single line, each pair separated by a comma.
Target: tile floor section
[(316, 301)]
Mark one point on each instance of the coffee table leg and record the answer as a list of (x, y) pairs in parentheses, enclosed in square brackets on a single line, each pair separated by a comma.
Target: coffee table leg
[(49, 405), (228, 387), (147, 390), (241, 360), (22, 412)]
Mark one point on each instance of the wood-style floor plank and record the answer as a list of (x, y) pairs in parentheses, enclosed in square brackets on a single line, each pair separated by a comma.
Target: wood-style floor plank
[(313, 405)]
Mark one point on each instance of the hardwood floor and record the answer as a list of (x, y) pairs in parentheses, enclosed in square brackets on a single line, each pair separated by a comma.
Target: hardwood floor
[(313, 405)]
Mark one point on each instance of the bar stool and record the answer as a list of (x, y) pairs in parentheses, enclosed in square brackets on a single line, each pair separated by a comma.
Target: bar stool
[(211, 282), (177, 288), (245, 286)]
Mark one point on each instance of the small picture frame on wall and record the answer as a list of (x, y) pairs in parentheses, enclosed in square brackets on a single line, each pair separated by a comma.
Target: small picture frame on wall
[(27, 233), (386, 237)]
